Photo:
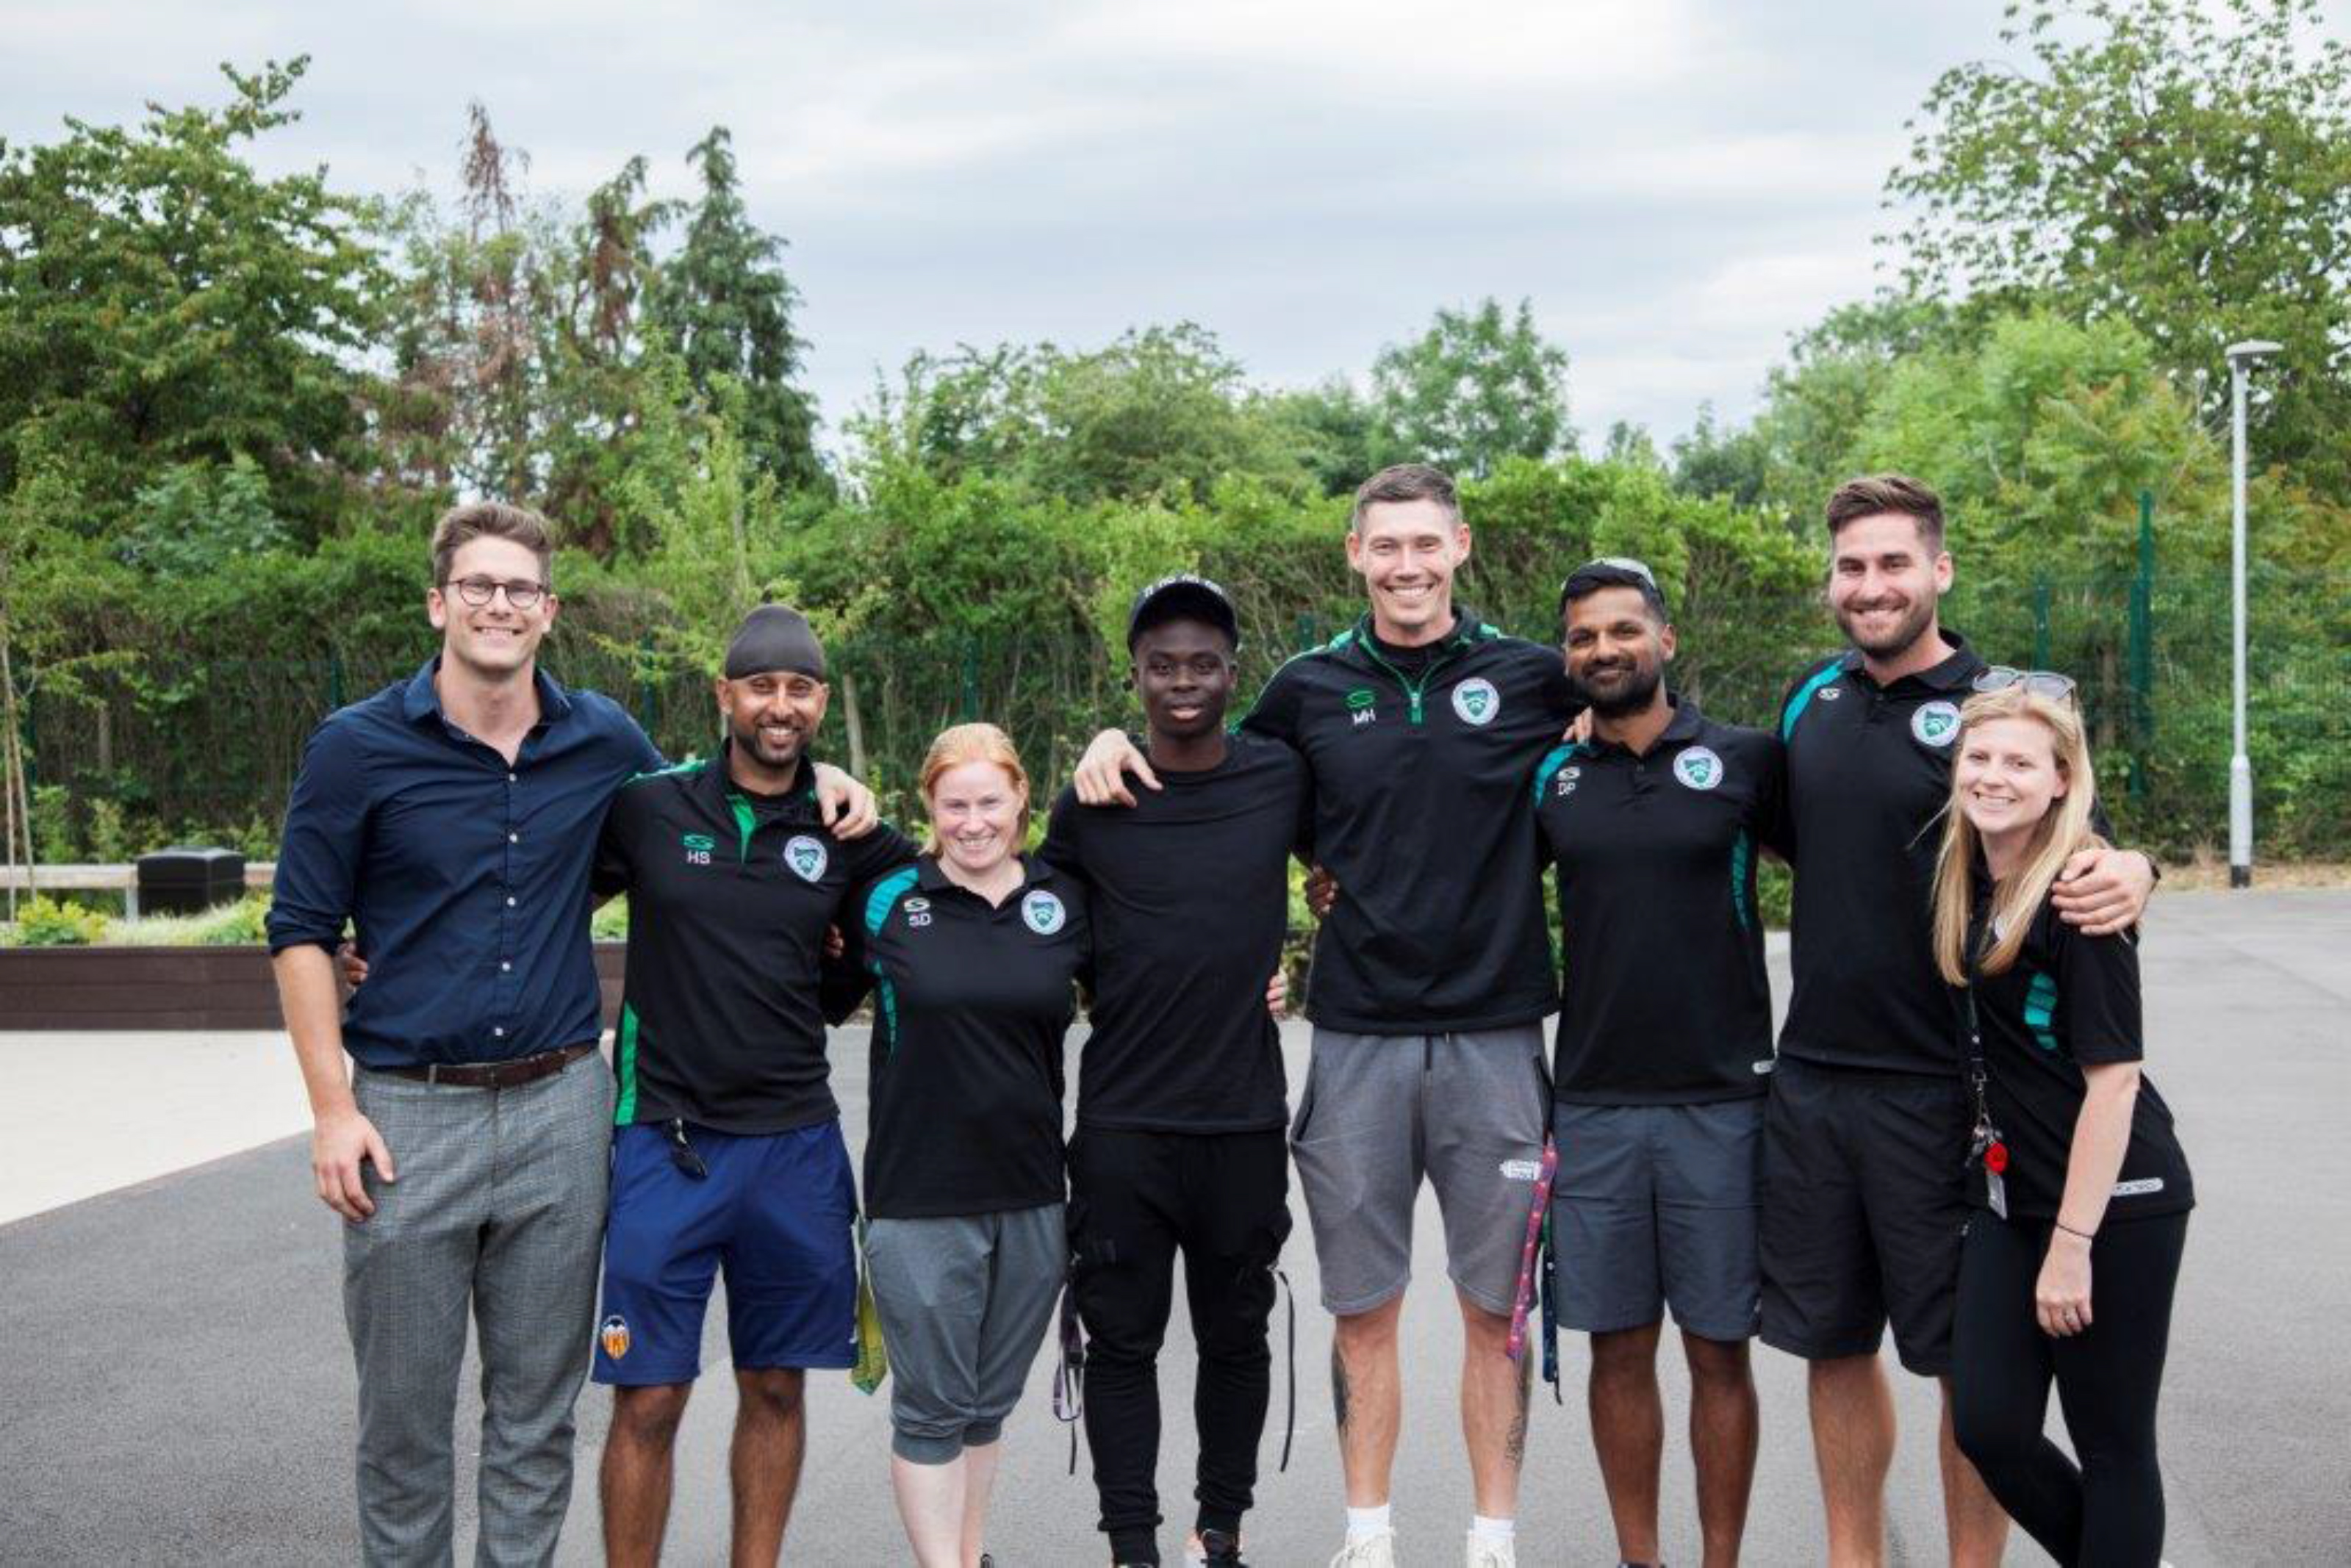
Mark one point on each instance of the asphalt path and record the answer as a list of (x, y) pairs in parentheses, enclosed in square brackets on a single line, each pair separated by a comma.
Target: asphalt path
[(175, 1385)]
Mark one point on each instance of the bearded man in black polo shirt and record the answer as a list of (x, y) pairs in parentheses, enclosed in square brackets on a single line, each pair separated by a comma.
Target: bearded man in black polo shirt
[(1664, 1050), (1180, 1102), (728, 1148), (1866, 1137)]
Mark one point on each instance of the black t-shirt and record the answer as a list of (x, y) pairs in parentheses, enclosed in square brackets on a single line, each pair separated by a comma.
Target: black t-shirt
[(1189, 894), (2067, 1001), (1665, 1000), (1422, 812), (1869, 771), (730, 897), (972, 1002)]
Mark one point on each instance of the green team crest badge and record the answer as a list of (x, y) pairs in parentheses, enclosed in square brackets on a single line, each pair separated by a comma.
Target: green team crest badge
[(806, 857), (697, 847), (1698, 767), (1477, 702), (1935, 724), (1043, 913)]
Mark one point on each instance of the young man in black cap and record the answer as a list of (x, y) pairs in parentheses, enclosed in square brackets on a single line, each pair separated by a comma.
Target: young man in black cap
[(1865, 1138), (1664, 1051), (728, 1149), (1180, 1101), (1420, 725)]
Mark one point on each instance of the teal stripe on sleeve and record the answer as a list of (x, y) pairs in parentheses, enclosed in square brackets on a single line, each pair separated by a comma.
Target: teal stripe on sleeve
[(886, 892), (2040, 1009), (1805, 694), (1553, 760)]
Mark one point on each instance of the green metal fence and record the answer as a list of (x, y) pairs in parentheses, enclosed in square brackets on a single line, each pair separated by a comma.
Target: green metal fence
[(208, 747)]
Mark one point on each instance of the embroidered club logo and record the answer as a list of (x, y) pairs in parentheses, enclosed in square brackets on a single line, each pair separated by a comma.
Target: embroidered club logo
[(614, 1336), (1830, 693), (1698, 767), (1567, 778), (1044, 914), (1358, 706), (698, 848), (806, 857), (918, 911), (1477, 701), (1935, 724)]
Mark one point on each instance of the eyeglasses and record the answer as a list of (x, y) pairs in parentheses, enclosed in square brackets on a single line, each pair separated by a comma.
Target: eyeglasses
[(478, 591), (2040, 682)]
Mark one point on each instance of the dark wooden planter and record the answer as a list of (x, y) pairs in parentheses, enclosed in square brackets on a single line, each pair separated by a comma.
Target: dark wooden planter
[(171, 988)]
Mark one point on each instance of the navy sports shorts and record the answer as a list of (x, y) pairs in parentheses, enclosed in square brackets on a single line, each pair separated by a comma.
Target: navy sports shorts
[(776, 1211)]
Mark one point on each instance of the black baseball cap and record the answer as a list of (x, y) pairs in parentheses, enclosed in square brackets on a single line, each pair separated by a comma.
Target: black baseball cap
[(1613, 571), (1186, 595)]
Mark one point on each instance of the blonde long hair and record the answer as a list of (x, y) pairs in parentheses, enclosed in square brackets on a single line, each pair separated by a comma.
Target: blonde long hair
[(973, 743), (2062, 831)]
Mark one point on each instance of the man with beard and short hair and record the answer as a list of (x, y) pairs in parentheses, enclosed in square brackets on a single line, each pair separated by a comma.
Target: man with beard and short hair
[(1663, 1045), (1866, 1137), (728, 1150), (1179, 1145)]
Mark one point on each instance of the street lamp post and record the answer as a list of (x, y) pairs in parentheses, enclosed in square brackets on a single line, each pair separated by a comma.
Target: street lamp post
[(2241, 764)]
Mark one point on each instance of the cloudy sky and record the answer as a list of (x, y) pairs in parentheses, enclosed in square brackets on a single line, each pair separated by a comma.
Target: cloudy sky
[(1677, 184)]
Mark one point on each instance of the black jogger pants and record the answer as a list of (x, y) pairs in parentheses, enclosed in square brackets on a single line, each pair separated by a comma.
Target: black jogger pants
[(1136, 1199)]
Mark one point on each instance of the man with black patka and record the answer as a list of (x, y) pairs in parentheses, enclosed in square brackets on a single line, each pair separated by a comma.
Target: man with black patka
[(1664, 1051), (728, 1149), (1180, 1143)]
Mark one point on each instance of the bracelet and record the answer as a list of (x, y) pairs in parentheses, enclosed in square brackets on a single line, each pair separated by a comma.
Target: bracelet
[(2084, 1235)]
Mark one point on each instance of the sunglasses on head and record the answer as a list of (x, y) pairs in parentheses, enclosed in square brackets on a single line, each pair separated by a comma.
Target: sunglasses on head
[(2040, 682)]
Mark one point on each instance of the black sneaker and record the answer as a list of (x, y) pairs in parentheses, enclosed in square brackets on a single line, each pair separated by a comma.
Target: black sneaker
[(1220, 1550)]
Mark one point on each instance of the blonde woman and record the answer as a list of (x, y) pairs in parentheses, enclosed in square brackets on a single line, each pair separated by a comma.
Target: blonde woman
[(2067, 1274), (975, 951)]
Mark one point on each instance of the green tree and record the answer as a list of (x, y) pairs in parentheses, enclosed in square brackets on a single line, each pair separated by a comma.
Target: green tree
[(2184, 166), (1473, 390), (726, 305), (161, 303)]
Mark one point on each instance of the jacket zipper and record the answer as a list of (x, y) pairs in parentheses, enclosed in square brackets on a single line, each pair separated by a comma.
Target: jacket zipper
[(1412, 691)]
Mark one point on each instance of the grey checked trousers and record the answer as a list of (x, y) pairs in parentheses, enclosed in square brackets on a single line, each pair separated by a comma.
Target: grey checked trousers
[(499, 1209)]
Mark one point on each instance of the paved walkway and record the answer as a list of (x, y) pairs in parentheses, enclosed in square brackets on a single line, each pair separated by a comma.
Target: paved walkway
[(178, 1389)]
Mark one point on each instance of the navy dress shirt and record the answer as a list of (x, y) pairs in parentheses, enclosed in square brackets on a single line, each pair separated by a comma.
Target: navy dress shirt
[(466, 878)]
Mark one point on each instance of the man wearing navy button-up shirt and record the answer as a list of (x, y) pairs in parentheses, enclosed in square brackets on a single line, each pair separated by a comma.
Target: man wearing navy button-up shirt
[(452, 819)]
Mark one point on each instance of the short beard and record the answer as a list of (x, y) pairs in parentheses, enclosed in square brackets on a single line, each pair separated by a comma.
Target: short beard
[(1635, 696), (1904, 636), (749, 741)]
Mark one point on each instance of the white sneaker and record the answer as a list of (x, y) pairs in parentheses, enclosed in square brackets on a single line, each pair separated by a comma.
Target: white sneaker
[(1372, 1552), (1491, 1553)]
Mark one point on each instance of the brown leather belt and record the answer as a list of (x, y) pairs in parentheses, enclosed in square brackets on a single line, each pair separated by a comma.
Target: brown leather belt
[(497, 1074)]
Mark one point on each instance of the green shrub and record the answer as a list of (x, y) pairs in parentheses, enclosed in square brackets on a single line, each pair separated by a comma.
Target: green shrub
[(46, 922)]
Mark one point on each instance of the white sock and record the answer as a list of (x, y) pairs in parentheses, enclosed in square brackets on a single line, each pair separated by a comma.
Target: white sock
[(1498, 1532), (1362, 1523)]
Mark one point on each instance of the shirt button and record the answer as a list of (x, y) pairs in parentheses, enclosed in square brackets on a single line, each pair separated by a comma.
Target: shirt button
[(513, 779), (499, 1031), (510, 901), (504, 966), (514, 838)]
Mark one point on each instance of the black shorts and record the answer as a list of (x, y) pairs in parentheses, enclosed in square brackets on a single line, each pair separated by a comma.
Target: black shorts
[(1863, 1206)]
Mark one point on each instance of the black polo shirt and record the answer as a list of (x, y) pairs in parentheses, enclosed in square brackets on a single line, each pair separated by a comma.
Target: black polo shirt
[(729, 897), (1189, 893), (2071, 1001), (1665, 1002), (1869, 772), (972, 1002), (1420, 759)]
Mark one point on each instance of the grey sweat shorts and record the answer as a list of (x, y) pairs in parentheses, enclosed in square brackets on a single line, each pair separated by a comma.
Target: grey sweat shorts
[(964, 1301), (1381, 1111), (1657, 1205)]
